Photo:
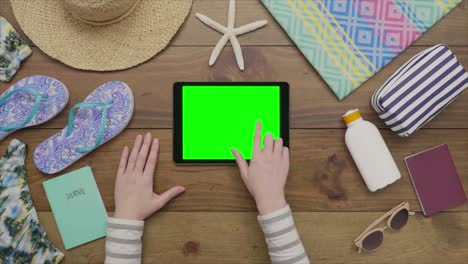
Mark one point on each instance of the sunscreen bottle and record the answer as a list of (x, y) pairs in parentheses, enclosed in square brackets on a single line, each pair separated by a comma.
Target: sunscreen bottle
[(369, 152)]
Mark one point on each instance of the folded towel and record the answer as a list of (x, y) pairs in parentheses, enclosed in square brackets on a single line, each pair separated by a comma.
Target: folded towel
[(420, 90), (348, 41)]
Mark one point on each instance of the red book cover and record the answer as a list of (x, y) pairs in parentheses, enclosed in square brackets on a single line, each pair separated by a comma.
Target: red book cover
[(435, 180)]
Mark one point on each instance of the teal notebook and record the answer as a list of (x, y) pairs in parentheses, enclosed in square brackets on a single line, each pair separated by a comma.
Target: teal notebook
[(77, 207)]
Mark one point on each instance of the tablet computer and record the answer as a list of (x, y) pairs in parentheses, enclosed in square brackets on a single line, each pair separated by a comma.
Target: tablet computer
[(210, 119)]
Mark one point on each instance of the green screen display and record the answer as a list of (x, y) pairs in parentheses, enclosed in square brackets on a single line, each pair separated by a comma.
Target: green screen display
[(216, 119)]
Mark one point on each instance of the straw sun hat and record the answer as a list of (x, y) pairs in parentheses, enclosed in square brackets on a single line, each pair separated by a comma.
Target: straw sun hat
[(101, 35)]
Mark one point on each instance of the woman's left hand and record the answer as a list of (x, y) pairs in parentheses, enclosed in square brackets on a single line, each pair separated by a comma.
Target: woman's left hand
[(134, 196)]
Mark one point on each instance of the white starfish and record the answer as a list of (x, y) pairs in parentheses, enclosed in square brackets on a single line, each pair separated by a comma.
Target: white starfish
[(230, 33)]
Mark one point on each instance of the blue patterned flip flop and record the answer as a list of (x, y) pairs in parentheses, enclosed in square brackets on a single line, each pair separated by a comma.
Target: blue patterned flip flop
[(31, 101), (100, 117)]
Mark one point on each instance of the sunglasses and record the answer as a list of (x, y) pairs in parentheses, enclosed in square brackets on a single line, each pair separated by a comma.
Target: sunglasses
[(372, 238)]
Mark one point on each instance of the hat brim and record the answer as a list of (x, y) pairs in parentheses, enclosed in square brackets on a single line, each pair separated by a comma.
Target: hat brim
[(122, 45)]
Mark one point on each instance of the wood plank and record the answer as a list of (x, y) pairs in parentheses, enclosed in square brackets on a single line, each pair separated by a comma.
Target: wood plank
[(327, 237), (313, 105), (195, 33), (318, 181)]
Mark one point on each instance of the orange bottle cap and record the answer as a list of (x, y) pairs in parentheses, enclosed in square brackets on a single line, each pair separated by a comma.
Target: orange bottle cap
[(351, 116)]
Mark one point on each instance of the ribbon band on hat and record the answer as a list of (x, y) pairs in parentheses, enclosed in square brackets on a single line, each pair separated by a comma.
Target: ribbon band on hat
[(111, 21)]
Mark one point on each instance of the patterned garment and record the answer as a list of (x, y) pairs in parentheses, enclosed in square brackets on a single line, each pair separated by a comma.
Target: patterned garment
[(348, 41), (282, 238), (22, 238), (13, 50), (123, 242)]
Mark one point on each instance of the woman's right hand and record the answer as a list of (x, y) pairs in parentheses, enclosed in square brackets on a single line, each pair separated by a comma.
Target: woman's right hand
[(266, 175)]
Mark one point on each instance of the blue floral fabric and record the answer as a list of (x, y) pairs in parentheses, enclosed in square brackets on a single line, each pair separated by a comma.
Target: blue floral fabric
[(22, 238), (13, 50)]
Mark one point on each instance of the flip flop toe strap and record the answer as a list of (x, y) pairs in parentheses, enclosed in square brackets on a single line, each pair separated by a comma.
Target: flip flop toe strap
[(34, 109), (105, 108)]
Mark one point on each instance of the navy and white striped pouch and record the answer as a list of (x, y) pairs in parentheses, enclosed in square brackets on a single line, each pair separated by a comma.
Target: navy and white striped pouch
[(420, 90)]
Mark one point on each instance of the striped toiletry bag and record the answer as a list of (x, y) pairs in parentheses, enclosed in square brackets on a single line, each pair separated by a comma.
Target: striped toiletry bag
[(420, 89)]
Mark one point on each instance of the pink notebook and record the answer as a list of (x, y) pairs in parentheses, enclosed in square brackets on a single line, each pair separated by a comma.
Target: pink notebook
[(435, 180)]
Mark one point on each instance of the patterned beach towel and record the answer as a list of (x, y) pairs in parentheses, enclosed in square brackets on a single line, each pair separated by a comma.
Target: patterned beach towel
[(348, 41)]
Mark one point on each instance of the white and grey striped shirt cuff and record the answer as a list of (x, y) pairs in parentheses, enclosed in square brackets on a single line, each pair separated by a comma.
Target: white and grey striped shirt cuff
[(123, 242), (284, 243)]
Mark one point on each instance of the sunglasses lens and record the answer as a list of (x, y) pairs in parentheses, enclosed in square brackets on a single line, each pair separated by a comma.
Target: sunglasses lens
[(400, 219), (372, 241)]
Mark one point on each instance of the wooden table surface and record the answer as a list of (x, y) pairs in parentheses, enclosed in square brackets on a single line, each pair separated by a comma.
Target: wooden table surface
[(215, 220)]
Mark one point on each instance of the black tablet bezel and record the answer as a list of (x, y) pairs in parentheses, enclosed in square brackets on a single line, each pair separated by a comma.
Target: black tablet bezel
[(177, 117)]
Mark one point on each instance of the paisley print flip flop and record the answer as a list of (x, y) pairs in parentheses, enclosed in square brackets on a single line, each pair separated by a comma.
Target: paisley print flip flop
[(31, 101), (99, 118)]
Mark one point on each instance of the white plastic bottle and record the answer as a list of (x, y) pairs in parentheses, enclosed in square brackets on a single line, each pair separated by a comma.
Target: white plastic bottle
[(369, 151)]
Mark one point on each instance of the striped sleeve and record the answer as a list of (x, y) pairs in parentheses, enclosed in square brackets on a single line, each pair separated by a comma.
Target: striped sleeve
[(123, 242), (284, 243)]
